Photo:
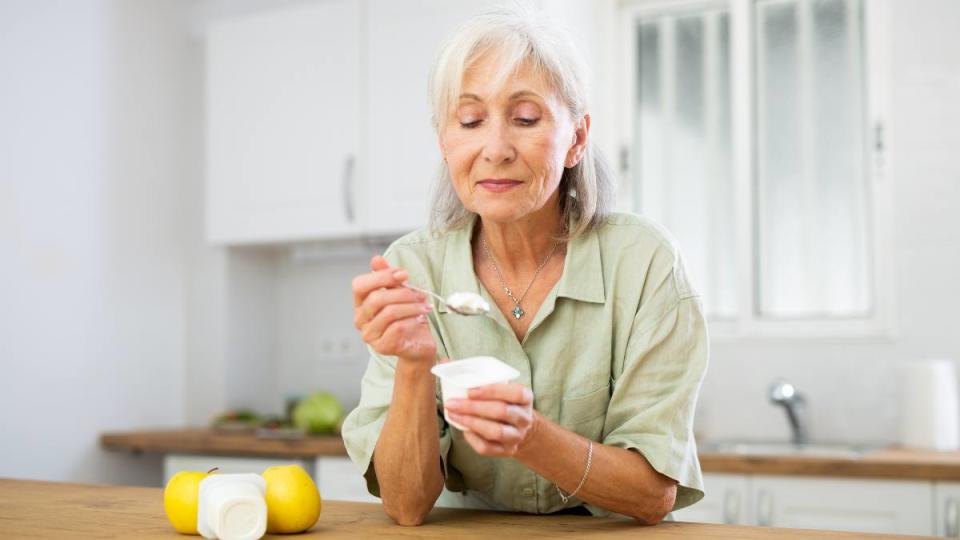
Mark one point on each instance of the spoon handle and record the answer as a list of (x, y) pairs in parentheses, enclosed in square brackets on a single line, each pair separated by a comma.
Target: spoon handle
[(439, 298)]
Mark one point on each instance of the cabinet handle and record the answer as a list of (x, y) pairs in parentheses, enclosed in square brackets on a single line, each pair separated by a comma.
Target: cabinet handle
[(951, 525), (731, 507), (347, 188), (764, 508)]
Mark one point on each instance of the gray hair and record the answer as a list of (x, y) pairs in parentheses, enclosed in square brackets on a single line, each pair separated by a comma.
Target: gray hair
[(517, 35)]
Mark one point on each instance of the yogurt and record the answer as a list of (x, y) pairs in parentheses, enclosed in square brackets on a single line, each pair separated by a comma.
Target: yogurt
[(468, 302), (459, 376), (232, 507)]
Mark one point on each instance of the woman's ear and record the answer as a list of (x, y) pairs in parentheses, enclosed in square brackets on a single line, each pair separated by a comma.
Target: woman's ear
[(579, 146), (443, 149)]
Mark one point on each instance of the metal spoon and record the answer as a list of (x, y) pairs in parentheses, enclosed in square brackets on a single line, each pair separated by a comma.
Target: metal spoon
[(451, 306)]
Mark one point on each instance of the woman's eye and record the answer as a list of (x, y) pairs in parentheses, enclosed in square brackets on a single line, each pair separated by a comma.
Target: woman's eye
[(526, 121), (471, 124)]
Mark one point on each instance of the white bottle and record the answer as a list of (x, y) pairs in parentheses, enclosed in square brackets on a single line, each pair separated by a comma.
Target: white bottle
[(929, 405), (232, 507)]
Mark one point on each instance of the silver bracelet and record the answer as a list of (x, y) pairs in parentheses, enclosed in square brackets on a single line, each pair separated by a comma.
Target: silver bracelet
[(586, 471)]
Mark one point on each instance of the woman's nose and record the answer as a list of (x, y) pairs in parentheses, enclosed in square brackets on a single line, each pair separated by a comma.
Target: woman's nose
[(497, 147)]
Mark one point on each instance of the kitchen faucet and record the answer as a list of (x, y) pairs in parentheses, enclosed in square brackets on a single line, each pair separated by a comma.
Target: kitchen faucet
[(785, 394)]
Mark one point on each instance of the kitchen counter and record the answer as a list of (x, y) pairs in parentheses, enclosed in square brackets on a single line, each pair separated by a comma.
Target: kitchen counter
[(210, 442), (56, 510), (892, 463)]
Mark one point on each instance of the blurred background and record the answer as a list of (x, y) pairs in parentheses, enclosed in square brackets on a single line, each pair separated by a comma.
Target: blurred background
[(188, 186)]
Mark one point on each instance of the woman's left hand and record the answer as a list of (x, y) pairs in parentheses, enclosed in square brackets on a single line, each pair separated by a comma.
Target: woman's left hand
[(500, 418)]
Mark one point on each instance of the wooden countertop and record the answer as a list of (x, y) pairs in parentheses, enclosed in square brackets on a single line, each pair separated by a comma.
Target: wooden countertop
[(206, 441), (55, 510), (890, 463)]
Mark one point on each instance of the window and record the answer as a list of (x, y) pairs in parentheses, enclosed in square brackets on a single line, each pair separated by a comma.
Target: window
[(753, 135), (682, 143)]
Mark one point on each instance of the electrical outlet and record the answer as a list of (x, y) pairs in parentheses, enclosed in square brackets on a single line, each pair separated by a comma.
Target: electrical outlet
[(339, 348)]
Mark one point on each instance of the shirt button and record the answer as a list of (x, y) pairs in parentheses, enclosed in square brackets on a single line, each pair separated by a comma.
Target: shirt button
[(527, 492)]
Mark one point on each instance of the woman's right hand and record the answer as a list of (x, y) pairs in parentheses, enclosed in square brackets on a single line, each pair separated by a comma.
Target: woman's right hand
[(391, 318)]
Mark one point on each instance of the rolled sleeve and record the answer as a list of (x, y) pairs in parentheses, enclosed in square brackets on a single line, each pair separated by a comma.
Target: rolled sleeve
[(652, 404)]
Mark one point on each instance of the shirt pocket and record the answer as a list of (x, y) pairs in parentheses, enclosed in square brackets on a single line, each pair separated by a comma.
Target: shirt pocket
[(585, 410)]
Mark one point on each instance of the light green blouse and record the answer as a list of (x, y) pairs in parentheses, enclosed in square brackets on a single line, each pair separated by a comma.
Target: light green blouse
[(616, 353)]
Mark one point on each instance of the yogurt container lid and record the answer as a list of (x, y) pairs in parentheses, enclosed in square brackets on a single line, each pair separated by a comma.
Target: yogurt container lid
[(474, 371)]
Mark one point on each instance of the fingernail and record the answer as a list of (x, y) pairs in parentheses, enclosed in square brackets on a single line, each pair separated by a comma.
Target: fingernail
[(427, 308), (400, 275), (454, 402)]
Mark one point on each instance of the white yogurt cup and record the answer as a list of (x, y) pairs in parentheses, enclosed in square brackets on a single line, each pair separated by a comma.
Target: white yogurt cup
[(459, 376), (232, 507)]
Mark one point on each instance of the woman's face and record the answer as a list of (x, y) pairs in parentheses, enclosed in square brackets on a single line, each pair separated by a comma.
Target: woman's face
[(506, 147)]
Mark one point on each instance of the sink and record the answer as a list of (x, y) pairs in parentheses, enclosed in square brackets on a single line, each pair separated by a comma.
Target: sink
[(744, 448)]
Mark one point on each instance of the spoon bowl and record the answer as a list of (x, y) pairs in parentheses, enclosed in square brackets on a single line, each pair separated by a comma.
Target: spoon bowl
[(461, 301)]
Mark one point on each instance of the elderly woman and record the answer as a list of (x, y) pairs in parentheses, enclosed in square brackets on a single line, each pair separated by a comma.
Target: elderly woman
[(591, 307)]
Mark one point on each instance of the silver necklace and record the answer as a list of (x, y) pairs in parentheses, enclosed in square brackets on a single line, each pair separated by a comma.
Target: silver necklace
[(517, 311)]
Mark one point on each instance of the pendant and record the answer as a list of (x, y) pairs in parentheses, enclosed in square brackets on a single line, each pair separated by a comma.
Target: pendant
[(517, 313)]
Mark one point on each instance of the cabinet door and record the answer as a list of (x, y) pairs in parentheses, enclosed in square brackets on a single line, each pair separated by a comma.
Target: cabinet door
[(174, 463), (282, 131), (402, 153), (339, 480), (946, 509), (861, 505), (726, 501)]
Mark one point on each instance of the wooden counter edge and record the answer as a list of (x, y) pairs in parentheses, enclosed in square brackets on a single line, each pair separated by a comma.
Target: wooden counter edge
[(890, 463), (209, 442)]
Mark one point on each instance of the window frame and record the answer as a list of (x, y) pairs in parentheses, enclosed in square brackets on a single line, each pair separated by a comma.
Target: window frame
[(748, 324)]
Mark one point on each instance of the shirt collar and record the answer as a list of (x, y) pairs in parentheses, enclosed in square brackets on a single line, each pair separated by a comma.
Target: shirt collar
[(582, 277)]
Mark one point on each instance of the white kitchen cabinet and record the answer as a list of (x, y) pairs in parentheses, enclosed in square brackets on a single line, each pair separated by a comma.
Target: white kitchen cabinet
[(282, 110), (339, 480), (859, 505), (173, 463), (826, 503), (317, 116), (946, 509), (727, 500), (401, 146)]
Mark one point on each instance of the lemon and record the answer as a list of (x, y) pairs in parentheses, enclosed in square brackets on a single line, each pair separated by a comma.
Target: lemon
[(180, 500), (293, 502)]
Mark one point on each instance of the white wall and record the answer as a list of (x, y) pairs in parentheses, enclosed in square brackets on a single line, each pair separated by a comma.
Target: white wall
[(852, 387), (318, 347), (94, 162)]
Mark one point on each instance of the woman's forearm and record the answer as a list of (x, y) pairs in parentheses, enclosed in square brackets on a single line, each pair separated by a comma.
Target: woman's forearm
[(407, 455), (619, 480)]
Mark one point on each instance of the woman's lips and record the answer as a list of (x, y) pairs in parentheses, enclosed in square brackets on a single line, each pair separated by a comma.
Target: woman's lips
[(498, 186)]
